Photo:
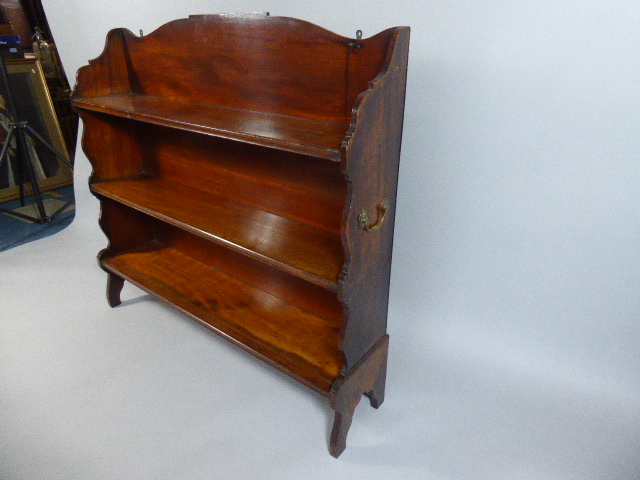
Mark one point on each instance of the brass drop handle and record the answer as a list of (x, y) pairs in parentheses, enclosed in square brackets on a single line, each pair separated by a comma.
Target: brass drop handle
[(365, 221)]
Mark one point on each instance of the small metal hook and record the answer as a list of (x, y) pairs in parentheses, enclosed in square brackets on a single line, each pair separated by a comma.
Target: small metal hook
[(356, 43)]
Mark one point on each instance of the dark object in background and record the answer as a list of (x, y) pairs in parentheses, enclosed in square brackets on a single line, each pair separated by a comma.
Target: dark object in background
[(36, 61), (10, 46), (25, 156), (33, 105), (25, 18)]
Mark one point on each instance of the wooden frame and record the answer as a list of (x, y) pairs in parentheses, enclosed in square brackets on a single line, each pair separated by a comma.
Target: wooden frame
[(34, 106), (253, 191)]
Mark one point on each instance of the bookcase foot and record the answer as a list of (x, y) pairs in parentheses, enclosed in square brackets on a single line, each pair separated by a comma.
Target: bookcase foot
[(341, 424), (367, 377), (376, 394), (114, 287)]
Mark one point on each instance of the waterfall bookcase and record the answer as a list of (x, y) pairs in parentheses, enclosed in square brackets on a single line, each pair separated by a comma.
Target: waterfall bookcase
[(246, 168)]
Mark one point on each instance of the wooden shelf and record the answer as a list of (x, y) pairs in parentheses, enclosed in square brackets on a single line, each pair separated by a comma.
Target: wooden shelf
[(301, 344), (250, 182), (308, 252), (317, 138)]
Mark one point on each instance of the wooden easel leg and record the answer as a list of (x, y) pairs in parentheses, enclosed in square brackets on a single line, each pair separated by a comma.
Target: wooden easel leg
[(367, 377), (114, 287)]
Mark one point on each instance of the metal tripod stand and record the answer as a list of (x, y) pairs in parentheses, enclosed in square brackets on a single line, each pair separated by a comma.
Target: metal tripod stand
[(25, 156)]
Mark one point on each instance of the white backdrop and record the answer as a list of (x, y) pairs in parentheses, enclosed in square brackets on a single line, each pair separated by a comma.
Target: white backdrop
[(515, 340)]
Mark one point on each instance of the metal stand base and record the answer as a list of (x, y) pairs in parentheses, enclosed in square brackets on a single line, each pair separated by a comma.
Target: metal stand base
[(20, 130)]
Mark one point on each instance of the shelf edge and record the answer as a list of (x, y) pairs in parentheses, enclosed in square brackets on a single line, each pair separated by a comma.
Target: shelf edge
[(333, 155), (218, 332), (297, 272)]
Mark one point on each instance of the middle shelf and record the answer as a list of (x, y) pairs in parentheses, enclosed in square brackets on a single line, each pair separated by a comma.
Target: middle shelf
[(305, 251)]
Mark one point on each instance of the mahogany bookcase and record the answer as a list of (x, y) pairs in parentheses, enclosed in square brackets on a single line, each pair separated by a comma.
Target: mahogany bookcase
[(246, 168)]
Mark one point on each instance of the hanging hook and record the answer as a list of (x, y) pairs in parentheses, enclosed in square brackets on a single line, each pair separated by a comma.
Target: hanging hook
[(356, 43)]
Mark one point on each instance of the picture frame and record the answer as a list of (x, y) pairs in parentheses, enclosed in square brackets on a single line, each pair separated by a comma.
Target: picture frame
[(34, 105)]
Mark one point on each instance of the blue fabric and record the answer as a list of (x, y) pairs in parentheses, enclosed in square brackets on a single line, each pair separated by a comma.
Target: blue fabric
[(15, 231)]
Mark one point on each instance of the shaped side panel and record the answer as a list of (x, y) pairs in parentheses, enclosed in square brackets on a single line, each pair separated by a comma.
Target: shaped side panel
[(107, 74), (370, 159)]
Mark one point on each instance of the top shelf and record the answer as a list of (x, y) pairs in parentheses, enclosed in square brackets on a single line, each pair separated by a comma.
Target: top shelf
[(317, 138)]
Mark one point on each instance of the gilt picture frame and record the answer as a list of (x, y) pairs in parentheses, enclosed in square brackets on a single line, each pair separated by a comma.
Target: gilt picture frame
[(34, 105)]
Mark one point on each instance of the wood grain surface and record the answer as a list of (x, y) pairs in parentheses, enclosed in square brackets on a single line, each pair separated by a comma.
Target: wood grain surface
[(296, 342), (234, 157), (300, 249)]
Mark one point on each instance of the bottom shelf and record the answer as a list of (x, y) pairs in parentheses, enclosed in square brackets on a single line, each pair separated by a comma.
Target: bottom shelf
[(300, 344)]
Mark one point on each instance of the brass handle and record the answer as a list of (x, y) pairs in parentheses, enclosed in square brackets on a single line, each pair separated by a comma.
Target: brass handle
[(365, 221)]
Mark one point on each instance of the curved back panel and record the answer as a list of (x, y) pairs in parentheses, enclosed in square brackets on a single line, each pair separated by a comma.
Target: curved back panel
[(247, 62)]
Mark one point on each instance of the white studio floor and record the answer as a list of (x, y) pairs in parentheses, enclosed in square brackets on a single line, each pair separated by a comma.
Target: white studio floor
[(139, 392)]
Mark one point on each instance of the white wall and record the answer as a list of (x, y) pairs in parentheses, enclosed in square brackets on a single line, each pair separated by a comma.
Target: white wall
[(517, 252)]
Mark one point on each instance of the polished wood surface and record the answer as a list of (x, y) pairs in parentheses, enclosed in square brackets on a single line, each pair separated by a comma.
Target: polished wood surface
[(270, 64), (112, 146), (233, 158), (367, 377), (301, 344), (293, 134), (297, 248), (367, 268), (124, 227), (290, 288), (302, 188)]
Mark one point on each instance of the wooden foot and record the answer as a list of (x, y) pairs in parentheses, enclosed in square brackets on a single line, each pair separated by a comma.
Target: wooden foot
[(376, 394), (367, 377), (345, 407), (114, 287)]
